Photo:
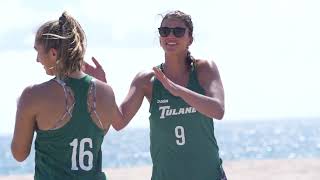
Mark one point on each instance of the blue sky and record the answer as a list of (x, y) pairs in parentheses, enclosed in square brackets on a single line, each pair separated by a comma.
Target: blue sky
[(268, 52)]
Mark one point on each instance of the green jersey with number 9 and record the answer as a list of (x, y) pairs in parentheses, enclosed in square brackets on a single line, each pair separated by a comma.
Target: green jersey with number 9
[(72, 152), (183, 145)]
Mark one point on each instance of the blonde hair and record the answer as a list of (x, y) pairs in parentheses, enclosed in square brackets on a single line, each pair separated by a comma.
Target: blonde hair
[(68, 38)]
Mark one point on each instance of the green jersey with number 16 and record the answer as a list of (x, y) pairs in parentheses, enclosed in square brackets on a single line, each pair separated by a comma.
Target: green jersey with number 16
[(72, 152)]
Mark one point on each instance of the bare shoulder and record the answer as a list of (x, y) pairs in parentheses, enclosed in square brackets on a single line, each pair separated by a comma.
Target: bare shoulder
[(142, 82), (27, 94), (35, 90), (104, 89), (32, 94), (144, 76), (207, 72), (206, 65)]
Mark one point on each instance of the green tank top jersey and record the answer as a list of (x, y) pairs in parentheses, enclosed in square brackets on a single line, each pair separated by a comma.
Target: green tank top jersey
[(183, 145), (72, 152)]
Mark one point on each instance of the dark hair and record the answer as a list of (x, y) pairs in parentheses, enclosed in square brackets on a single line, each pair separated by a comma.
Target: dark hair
[(186, 19), (68, 38)]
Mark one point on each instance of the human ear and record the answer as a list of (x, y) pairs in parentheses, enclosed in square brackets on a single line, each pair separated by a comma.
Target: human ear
[(54, 52)]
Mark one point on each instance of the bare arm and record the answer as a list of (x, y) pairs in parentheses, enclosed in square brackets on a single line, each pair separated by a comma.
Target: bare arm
[(212, 103), (132, 102), (110, 109), (122, 115), (24, 127)]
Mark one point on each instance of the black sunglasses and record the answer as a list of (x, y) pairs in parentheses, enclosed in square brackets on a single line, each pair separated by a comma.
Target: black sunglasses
[(177, 31)]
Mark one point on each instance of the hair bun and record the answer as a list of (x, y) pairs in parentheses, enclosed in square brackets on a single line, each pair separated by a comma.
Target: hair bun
[(62, 19)]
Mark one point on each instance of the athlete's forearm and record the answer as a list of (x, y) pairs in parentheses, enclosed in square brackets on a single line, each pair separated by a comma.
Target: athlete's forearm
[(129, 107), (209, 106)]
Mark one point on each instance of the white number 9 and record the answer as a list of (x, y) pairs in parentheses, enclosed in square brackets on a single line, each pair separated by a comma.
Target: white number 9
[(179, 131)]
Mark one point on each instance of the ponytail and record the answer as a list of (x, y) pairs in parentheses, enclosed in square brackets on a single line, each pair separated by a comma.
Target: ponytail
[(189, 59)]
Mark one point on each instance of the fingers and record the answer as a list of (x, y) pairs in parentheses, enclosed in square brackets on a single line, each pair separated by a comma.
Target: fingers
[(156, 72), (87, 67), (86, 64), (83, 67), (96, 62), (155, 69), (159, 75)]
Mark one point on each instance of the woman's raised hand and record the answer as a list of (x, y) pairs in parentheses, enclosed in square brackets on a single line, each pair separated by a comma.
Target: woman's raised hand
[(96, 72), (166, 82)]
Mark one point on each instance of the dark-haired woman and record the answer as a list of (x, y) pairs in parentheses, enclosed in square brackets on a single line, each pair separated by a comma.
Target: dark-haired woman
[(185, 95)]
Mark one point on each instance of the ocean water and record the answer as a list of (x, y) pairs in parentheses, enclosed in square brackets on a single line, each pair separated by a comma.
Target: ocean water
[(238, 140)]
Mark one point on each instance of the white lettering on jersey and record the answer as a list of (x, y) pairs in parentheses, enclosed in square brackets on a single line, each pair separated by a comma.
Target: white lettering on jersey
[(167, 111), (162, 101)]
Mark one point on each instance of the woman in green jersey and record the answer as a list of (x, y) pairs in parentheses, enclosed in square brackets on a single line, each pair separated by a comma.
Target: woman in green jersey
[(185, 95), (70, 113)]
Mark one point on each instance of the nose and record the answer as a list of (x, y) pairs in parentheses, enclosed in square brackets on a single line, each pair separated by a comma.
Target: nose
[(171, 34)]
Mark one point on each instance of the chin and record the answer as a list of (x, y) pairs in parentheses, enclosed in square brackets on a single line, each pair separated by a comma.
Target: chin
[(50, 73), (171, 51)]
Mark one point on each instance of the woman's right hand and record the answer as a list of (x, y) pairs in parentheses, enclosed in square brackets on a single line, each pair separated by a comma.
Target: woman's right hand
[(96, 72)]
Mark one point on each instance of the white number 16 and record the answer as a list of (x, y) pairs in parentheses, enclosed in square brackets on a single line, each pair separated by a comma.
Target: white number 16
[(82, 154)]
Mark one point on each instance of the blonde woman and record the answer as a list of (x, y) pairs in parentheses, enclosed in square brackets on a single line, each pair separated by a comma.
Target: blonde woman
[(70, 113)]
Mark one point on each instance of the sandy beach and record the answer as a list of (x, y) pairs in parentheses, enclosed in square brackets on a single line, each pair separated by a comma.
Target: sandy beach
[(295, 169)]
